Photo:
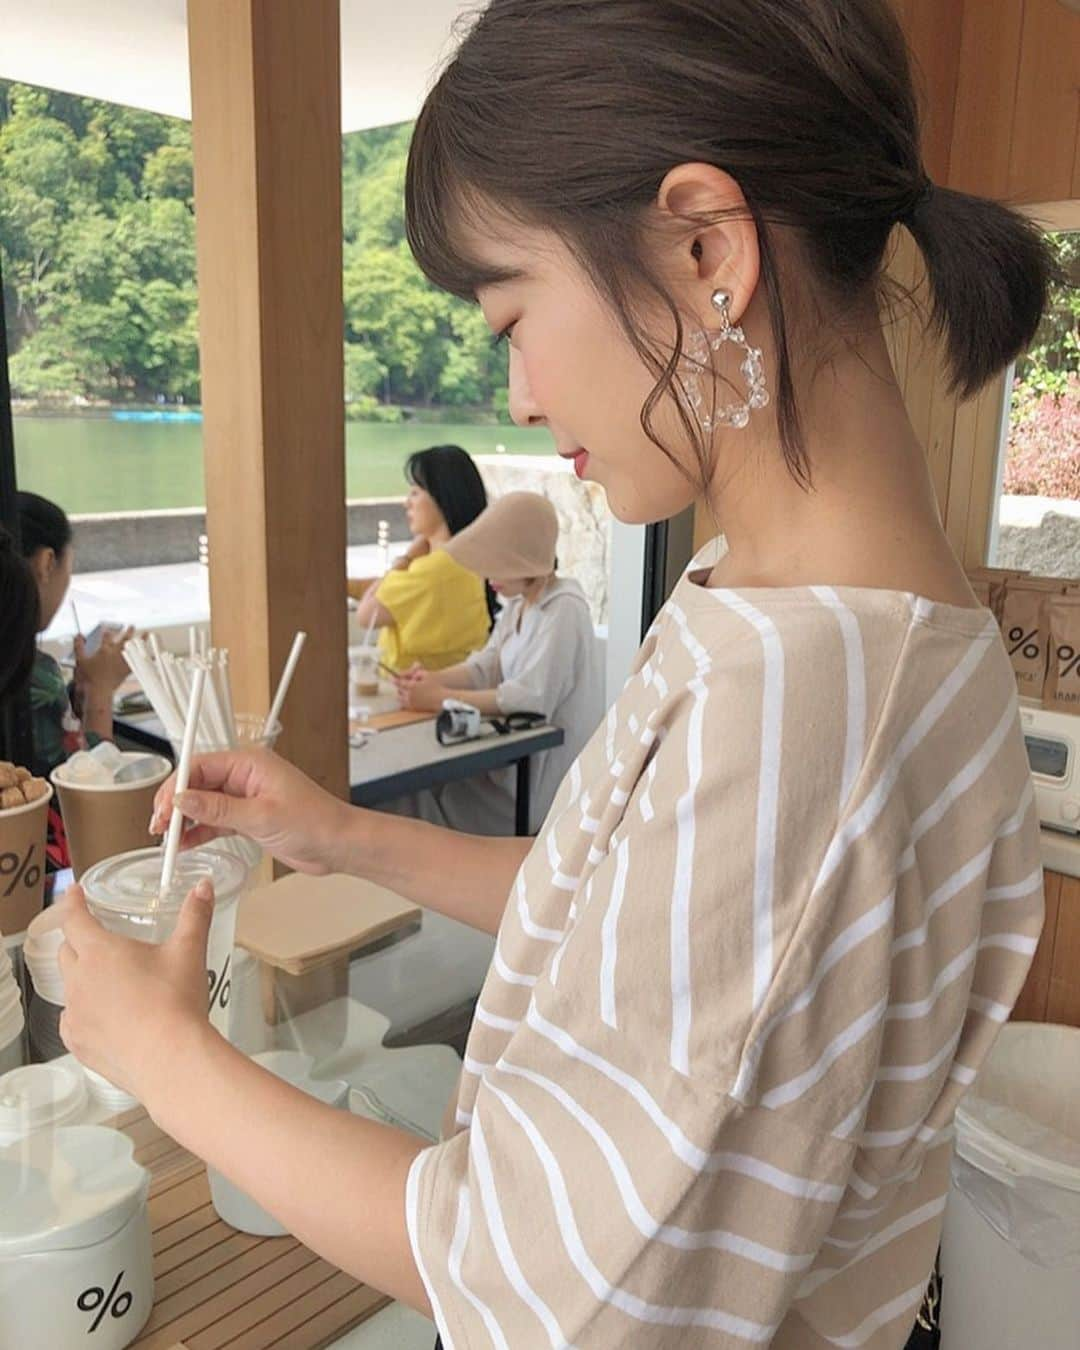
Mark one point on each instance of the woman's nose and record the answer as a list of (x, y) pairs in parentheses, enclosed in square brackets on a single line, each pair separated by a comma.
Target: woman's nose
[(524, 410)]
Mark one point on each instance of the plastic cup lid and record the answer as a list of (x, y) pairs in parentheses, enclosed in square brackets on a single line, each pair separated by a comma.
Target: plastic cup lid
[(128, 883), (39, 1095), (44, 938), (12, 1019), (67, 1188)]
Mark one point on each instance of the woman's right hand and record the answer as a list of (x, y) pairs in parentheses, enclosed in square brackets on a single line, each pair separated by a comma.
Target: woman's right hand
[(255, 794)]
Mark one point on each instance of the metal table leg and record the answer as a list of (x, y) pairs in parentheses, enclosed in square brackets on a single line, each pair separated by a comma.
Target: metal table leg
[(522, 803)]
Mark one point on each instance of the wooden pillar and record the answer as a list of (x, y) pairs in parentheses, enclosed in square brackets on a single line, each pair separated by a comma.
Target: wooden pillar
[(266, 128)]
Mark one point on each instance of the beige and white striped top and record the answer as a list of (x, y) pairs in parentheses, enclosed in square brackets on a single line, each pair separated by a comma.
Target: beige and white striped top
[(778, 913)]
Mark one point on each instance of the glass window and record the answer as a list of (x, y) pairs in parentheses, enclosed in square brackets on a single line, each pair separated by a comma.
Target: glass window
[(1036, 523)]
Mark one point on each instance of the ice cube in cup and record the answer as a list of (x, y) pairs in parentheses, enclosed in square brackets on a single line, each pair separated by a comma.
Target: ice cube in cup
[(108, 756), (82, 767)]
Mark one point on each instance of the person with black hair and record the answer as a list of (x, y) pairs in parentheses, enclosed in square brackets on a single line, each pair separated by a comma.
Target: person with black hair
[(428, 609), (791, 889), (65, 720), (19, 608)]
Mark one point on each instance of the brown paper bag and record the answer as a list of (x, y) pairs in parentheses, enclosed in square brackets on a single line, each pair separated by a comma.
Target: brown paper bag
[(1062, 688), (996, 580), (1024, 626)]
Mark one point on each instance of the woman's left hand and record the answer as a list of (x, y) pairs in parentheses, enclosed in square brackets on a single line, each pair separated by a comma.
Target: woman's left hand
[(421, 692), (128, 1001)]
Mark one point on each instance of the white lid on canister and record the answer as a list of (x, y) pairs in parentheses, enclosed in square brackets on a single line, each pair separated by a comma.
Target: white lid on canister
[(41, 950), (130, 882), (40, 1095), (68, 1188)]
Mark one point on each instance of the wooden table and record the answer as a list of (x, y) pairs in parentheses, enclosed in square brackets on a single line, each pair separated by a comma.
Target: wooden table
[(410, 759), (215, 1287)]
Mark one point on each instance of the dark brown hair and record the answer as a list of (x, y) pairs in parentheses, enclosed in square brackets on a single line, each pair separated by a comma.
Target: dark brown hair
[(569, 114)]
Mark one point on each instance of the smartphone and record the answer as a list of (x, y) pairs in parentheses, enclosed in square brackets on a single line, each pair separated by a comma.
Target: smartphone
[(94, 639)]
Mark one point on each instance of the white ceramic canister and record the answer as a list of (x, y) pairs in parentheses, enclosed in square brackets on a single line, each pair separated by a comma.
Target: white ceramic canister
[(235, 1206), (12, 1018), (76, 1265), (121, 892)]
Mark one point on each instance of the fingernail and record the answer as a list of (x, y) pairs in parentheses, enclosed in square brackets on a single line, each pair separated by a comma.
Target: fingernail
[(204, 892), (184, 801)]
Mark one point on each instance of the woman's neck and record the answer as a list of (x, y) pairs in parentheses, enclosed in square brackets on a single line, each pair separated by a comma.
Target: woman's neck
[(870, 518), (438, 537)]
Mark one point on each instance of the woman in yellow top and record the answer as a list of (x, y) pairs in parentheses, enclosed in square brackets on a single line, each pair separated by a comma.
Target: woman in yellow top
[(428, 608)]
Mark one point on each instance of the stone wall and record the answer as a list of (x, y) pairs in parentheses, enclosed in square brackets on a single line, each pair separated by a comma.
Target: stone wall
[(106, 543), (1039, 534)]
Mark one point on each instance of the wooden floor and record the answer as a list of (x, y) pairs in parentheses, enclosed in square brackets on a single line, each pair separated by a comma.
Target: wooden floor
[(217, 1289)]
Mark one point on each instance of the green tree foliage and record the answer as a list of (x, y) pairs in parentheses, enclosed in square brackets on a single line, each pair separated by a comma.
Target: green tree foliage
[(97, 245)]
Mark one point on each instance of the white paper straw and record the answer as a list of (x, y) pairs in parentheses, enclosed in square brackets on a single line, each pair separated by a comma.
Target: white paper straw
[(226, 694), (193, 647), (370, 629), (283, 684), (204, 643), (78, 625), (183, 773)]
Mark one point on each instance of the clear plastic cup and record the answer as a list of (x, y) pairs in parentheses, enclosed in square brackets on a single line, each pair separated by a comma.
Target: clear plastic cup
[(251, 734), (123, 893)]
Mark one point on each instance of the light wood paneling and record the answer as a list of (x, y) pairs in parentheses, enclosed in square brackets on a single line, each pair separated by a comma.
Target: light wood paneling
[(933, 29), (1063, 1004), (985, 104), (1046, 119), (1034, 997), (266, 130)]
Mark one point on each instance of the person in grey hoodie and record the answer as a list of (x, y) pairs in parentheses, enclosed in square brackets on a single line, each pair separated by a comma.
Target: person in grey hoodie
[(542, 657)]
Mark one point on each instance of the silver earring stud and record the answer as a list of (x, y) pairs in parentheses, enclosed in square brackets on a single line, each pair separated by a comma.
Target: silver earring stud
[(737, 414)]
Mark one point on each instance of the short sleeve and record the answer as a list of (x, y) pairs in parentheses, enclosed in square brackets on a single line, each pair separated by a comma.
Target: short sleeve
[(597, 1200), (410, 596)]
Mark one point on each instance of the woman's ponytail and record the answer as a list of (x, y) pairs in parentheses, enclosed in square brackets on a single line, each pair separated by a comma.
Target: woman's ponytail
[(990, 271)]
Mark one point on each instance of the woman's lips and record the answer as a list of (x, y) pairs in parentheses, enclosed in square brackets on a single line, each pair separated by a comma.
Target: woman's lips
[(580, 458)]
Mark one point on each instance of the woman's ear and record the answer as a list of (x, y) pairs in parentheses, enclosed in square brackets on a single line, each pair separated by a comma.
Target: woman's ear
[(711, 253), (43, 563)]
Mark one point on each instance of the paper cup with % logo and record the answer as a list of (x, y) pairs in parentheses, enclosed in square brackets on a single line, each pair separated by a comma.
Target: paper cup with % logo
[(104, 817), (75, 1247), (123, 893), (23, 831)]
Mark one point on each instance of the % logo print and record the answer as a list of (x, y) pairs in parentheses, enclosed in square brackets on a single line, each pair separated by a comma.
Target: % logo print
[(220, 986), (20, 870), (1027, 644), (90, 1300), (1068, 661)]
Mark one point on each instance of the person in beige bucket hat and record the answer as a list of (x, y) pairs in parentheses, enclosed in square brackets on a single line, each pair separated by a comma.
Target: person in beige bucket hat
[(542, 657)]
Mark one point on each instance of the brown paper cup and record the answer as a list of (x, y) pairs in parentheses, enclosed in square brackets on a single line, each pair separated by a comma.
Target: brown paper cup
[(23, 831), (101, 821)]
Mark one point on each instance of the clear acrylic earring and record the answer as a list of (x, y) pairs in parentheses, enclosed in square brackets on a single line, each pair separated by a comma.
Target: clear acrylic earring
[(698, 354)]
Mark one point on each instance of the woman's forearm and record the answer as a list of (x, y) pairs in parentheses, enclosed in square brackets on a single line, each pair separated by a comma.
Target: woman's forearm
[(96, 712), (487, 700), (466, 877), (334, 1180)]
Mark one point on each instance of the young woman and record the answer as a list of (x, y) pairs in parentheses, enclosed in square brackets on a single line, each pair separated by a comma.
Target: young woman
[(19, 607), (791, 889), (428, 608), (60, 730), (542, 657)]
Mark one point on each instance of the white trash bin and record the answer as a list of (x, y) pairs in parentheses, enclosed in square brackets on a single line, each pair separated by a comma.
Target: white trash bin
[(1010, 1252)]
